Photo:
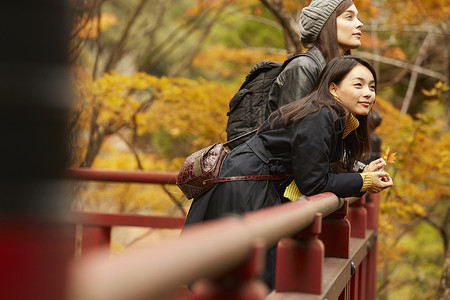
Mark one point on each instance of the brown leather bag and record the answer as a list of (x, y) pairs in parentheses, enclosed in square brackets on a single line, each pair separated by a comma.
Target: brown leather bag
[(201, 170)]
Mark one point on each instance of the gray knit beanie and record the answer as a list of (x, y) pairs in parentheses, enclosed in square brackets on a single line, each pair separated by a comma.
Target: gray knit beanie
[(314, 17)]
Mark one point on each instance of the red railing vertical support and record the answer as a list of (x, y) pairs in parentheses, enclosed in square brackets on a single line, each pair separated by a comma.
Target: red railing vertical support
[(335, 233), (95, 236), (345, 292), (354, 285), (357, 216), (240, 284), (300, 261), (372, 206), (362, 277)]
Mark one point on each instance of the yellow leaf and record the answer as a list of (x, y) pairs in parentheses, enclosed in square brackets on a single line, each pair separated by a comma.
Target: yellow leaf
[(389, 156)]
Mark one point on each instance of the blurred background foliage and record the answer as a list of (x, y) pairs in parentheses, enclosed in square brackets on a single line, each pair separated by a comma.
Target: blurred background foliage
[(153, 78)]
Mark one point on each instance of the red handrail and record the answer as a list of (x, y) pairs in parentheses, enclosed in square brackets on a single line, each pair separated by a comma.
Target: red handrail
[(122, 176), (109, 220)]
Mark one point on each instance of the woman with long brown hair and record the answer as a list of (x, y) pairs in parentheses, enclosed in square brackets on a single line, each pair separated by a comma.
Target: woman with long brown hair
[(303, 138)]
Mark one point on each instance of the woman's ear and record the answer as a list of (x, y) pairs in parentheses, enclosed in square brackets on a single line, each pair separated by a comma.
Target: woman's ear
[(333, 89)]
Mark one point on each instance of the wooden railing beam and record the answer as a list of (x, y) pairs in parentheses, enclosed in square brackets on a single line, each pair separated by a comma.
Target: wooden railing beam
[(122, 176)]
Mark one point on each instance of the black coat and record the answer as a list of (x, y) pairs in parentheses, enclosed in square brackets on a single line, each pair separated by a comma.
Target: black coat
[(305, 149)]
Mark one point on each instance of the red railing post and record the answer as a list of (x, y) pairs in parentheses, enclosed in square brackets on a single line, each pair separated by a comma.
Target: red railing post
[(362, 280), (300, 261), (240, 284), (94, 237), (34, 254), (357, 216), (335, 233), (372, 206)]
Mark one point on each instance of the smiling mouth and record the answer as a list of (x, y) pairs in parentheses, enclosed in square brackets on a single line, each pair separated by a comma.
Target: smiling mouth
[(365, 104)]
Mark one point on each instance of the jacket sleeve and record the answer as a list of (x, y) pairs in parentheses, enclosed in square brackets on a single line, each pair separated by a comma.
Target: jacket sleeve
[(313, 143), (294, 83)]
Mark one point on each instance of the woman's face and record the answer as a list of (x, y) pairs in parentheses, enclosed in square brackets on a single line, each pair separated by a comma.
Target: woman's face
[(348, 29), (356, 91)]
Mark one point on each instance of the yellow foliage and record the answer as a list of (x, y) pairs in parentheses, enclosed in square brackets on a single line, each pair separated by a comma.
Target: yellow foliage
[(184, 106), (233, 61), (116, 104), (421, 174)]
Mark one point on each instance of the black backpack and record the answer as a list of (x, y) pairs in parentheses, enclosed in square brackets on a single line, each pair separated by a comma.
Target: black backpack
[(249, 107)]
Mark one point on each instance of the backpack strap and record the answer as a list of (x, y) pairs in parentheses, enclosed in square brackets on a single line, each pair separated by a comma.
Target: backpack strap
[(292, 56)]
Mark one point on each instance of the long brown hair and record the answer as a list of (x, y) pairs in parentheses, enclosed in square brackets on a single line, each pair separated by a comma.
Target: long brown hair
[(358, 143), (327, 41)]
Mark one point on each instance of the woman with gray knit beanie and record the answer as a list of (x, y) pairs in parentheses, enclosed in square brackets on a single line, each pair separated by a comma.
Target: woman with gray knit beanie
[(328, 28)]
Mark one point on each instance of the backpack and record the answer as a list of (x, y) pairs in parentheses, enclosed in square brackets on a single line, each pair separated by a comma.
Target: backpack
[(249, 107)]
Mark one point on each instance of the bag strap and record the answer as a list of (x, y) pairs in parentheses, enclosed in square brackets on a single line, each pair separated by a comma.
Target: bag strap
[(240, 137), (254, 177)]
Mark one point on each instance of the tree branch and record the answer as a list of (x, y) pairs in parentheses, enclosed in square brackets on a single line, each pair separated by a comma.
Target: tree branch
[(98, 40), (413, 79), (175, 201), (118, 49), (400, 64), (132, 149), (292, 40), (189, 58)]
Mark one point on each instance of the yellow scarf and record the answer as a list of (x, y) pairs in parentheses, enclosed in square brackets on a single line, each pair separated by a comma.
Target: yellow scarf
[(292, 192)]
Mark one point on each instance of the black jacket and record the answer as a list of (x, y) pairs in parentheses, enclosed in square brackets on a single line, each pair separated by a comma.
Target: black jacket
[(305, 149), (297, 79)]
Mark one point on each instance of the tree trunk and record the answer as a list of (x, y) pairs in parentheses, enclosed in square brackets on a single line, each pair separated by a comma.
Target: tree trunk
[(445, 278), (292, 40)]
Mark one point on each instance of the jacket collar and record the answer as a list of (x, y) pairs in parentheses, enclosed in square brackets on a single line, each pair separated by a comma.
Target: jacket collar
[(314, 51)]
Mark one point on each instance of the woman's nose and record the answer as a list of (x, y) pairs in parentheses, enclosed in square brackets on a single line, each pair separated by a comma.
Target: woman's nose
[(368, 92), (359, 24)]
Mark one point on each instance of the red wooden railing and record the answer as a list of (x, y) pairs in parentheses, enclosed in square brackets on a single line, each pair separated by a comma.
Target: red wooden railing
[(326, 250)]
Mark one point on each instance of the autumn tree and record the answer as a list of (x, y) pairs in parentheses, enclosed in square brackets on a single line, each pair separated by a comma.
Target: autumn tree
[(420, 196)]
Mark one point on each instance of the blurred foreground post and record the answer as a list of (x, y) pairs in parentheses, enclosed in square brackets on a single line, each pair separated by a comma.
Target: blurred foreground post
[(35, 101)]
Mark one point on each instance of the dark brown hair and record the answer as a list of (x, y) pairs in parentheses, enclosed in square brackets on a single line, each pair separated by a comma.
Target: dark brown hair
[(327, 41), (358, 143)]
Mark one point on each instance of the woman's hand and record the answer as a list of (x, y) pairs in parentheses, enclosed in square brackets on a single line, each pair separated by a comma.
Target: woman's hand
[(376, 166), (380, 181)]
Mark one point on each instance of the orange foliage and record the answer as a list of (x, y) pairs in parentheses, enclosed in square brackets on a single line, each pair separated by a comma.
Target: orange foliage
[(202, 5), (395, 52), (89, 28), (370, 41), (367, 10), (415, 12)]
